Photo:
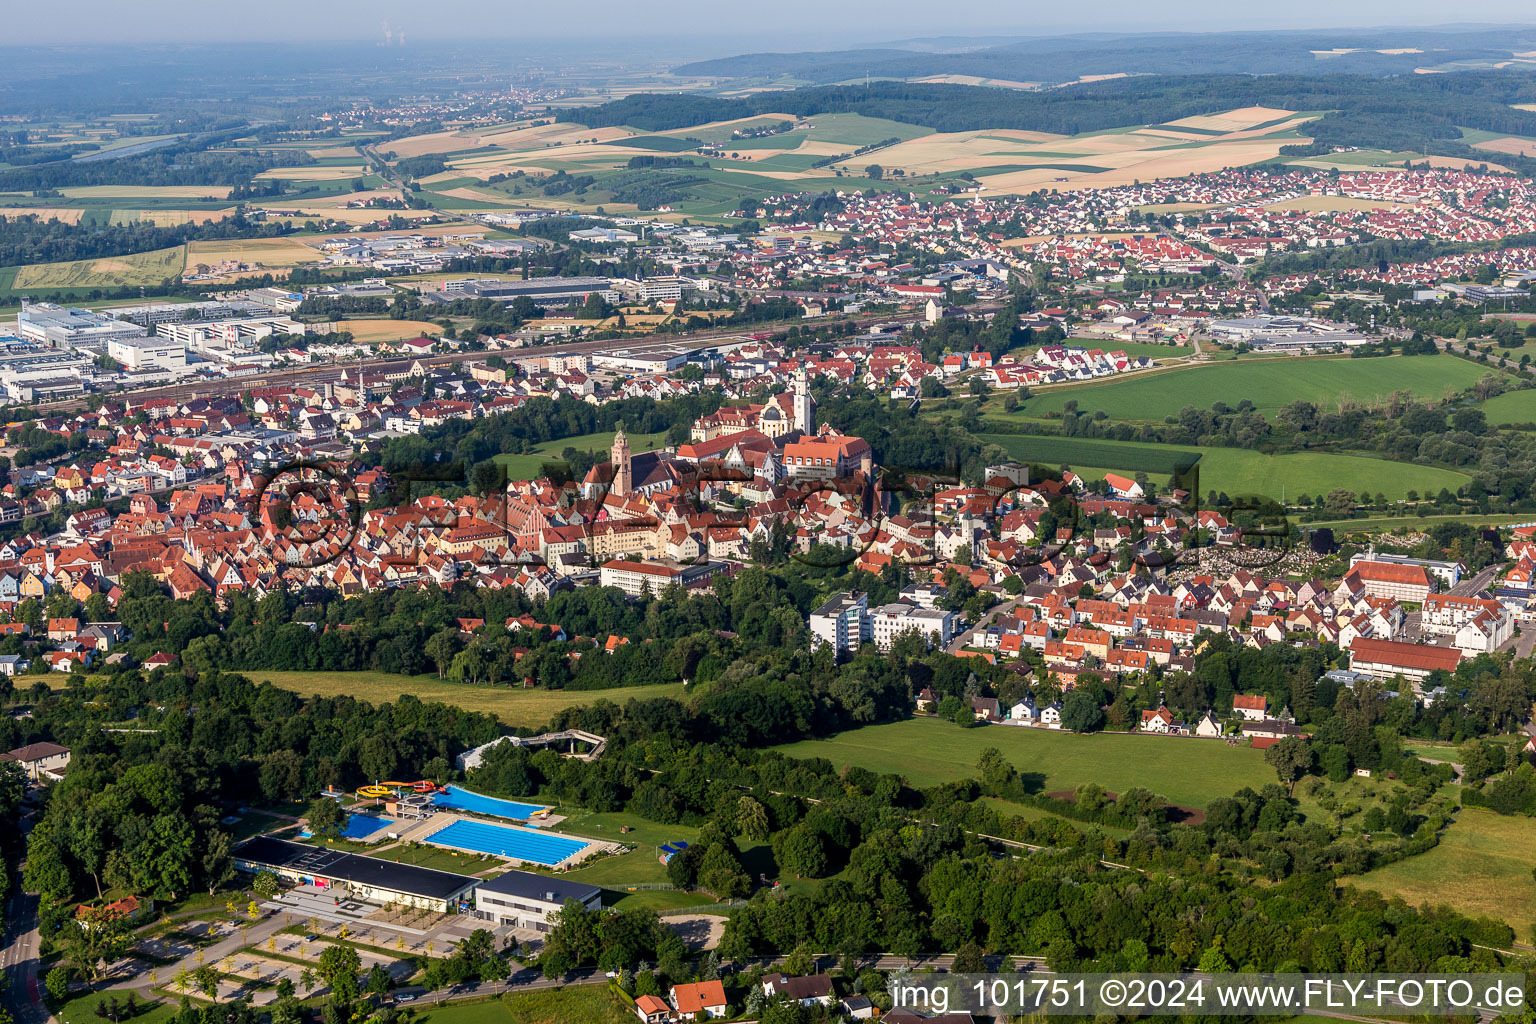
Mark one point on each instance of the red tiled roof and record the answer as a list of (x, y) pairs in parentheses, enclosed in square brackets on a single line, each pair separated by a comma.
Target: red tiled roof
[(1420, 657)]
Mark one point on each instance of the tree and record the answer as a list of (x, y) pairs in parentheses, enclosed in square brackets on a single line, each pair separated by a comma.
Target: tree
[(326, 818), (57, 983), (378, 980), (751, 819), (265, 885), (282, 775), (799, 961), (339, 966), (206, 981), (1291, 758), (802, 851), (970, 959), (874, 172), (1080, 711)]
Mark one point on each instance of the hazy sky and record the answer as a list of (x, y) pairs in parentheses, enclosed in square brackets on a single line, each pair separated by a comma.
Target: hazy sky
[(730, 27)]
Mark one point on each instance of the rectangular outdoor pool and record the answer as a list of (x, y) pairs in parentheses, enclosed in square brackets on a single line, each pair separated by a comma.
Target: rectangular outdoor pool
[(463, 800), (534, 847), (359, 826)]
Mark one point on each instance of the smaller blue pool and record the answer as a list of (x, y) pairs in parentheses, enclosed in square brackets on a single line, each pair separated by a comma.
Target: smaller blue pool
[(360, 826), (533, 847), (463, 800)]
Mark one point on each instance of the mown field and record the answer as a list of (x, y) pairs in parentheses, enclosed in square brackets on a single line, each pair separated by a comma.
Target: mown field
[(1511, 407), (527, 467), (1482, 868), (515, 707), (642, 867), (929, 751), (1235, 470), (145, 268), (574, 1004), (1268, 384)]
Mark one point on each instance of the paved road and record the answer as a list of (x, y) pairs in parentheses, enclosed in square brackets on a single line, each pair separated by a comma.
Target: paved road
[(19, 955), (1480, 581), (19, 959), (968, 637), (238, 940)]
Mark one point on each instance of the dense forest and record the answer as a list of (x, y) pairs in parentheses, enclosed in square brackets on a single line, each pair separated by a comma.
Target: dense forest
[(1058, 59), (188, 163)]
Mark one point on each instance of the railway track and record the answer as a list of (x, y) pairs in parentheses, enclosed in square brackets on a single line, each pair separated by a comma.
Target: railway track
[(330, 372)]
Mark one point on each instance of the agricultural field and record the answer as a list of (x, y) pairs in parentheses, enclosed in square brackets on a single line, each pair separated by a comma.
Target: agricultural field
[(1269, 384), (1316, 203), (1386, 161), (1008, 160), (145, 268), (929, 751), (382, 330), (13, 205), (1481, 868), (316, 172), (268, 252), (153, 192), (161, 218), (515, 707), (1235, 470)]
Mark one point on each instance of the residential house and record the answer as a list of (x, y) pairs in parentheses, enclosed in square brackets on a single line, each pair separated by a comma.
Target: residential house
[(700, 1000), (652, 1010), (1251, 707), (40, 760), (814, 990)]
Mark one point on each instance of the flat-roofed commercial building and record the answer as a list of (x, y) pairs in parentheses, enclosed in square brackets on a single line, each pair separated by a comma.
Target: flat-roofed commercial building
[(545, 291), (148, 353), (68, 327)]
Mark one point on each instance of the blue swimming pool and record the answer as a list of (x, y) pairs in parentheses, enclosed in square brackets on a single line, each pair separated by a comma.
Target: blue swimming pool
[(463, 800), (360, 826), (534, 847)]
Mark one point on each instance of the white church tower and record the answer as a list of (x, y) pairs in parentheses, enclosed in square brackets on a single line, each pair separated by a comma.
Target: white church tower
[(805, 405)]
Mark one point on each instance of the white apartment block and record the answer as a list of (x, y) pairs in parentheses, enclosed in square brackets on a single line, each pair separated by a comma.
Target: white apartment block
[(1446, 613), (841, 623), (889, 621)]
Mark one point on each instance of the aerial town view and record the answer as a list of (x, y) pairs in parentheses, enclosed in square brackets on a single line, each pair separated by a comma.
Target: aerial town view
[(614, 512)]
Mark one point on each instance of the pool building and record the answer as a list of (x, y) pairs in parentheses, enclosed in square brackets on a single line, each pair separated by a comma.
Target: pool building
[(519, 899), (525, 900), (366, 878)]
